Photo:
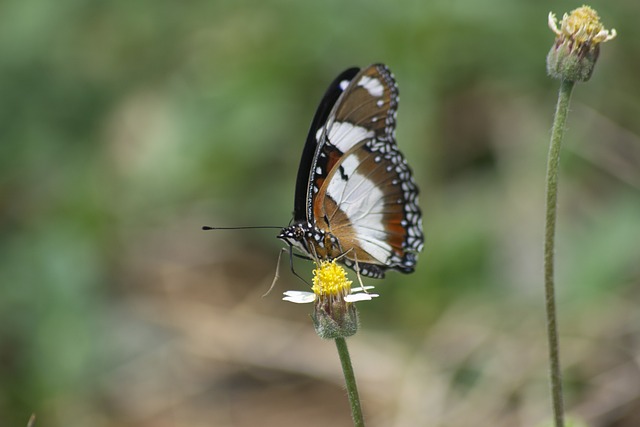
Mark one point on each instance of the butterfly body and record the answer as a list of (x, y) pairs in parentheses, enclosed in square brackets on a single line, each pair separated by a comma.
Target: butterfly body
[(356, 199)]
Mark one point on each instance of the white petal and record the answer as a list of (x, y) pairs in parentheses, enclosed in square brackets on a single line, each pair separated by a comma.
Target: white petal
[(299, 297), (360, 297), (296, 293), (360, 289), (553, 23)]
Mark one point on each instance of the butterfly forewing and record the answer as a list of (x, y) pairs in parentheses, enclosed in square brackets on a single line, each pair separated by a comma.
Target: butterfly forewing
[(302, 203)]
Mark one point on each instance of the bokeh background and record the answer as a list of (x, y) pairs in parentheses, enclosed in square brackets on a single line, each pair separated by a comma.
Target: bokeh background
[(127, 125)]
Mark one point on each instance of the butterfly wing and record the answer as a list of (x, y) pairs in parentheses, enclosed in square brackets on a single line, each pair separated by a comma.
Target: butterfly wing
[(360, 187), (336, 88)]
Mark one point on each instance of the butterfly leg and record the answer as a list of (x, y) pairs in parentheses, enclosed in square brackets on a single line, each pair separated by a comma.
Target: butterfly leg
[(357, 267), (355, 257), (276, 276), (291, 254)]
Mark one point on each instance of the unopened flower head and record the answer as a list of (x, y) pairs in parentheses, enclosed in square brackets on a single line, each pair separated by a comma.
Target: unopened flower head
[(577, 45), (334, 313)]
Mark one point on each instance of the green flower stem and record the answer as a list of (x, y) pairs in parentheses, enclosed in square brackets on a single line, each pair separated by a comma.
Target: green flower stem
[(562, 108), (350, 380)]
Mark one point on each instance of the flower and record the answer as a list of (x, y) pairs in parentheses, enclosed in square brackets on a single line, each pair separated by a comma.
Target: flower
[(330, 282), (577, 45), (334, 313)]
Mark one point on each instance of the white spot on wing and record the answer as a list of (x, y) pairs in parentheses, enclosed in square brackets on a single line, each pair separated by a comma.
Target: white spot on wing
[(350, 164), (344, 135), (343, 84), (372, 85)]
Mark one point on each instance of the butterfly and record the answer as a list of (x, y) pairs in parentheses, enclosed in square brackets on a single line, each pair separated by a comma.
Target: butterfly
[(355, 198)]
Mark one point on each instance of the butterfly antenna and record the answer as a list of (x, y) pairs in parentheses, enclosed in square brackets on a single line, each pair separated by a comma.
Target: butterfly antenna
[(207, 228)]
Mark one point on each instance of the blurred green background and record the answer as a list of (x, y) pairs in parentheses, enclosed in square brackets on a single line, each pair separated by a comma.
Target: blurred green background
[(126, 126)]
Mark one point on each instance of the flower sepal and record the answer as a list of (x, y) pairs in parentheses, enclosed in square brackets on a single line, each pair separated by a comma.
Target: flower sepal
[(336, 320)]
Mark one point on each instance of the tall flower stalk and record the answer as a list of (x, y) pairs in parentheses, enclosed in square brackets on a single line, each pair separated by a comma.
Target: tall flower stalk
[(562, 108), (350, 382), (335, 317), (571, 59)]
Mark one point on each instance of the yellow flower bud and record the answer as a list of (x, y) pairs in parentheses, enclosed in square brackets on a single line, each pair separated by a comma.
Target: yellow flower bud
[(574, 54)]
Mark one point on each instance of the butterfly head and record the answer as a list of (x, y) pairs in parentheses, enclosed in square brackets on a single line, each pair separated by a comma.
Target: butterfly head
[(311, 241)]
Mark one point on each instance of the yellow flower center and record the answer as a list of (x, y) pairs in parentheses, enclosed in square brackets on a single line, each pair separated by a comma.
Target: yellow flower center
[(330, 279), (582, 26), (583, 23)]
